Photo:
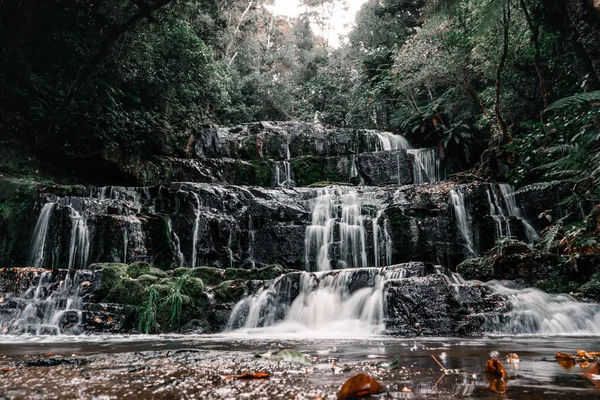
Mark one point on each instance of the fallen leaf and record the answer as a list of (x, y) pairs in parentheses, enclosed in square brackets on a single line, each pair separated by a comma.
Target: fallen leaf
[(495, 368), (248, 375), (97, 320), (565, 360), (7, 370), (359, 386), (292, 356), (497, 385), (513, 358), (86, 283), (48, 355), (405, 389), (583, 354)]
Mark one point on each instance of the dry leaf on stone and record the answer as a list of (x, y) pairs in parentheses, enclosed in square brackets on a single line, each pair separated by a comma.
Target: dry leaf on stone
[(358, 386)]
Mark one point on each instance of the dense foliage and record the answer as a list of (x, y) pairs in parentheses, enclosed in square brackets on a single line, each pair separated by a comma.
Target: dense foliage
[(117, 81)]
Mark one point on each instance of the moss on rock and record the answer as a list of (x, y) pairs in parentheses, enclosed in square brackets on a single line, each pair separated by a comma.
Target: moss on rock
[(308, 170), (138, 269), (263, 274), (210, 275), (230, 291), (128, 291)]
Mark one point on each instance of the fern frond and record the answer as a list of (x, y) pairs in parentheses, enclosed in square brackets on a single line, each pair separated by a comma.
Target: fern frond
[(539, 186), (492, 11), (579, 98)]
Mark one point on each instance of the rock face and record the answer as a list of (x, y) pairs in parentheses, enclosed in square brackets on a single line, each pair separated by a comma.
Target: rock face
[(405, 299), (247, 200), (186, 224)]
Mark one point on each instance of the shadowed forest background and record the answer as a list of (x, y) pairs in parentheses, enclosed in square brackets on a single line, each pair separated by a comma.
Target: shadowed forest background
[(100, 87)]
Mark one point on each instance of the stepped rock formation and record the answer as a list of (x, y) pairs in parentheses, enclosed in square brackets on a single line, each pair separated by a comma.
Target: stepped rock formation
[(389, 205)]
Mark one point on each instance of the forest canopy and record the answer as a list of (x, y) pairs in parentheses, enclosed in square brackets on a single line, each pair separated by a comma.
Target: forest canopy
[(119, 81)]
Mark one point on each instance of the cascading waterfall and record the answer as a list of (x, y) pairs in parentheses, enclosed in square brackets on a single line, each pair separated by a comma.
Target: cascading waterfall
[(508, 194), (328, 303), (176, 243), (338, 233), (462, 219), (426, 165), (40, 232), (382, 242), (536, 312), (319, 234), (196, 229), (79, 247), (387, 141), (49, 308), (352, 233)]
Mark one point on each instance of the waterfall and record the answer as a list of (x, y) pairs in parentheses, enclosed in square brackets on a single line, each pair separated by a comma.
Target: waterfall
[(329, 303), (352, 233), (508, 194), (320, 233), (176, 243), (382, 242), (385, 141), (462, 219), (40, 232), (535, 312), (426, 165), (49, 308), (337, 237), (79, 246), (196, 228)]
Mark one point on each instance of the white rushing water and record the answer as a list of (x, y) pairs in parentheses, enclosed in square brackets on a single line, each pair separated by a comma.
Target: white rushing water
[(426, 165), (79, 247), (40, 233), (49, 308), (196, 230), (462, 219), (337, 233), (328, 305), (503, 207), (536, 312)]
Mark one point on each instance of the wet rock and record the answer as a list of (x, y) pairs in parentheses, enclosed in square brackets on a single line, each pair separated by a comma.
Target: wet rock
[(138, 269)]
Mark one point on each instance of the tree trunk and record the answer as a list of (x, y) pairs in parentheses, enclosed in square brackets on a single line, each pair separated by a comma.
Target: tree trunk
[(586, 23), (497, 110), (537, 58)]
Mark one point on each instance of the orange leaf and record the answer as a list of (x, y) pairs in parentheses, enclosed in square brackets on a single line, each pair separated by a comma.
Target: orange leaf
[(248, 375), (495, 368), (359, 386)]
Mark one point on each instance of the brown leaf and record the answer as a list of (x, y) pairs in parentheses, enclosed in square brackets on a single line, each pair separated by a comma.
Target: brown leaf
[(495, 368), (583, 354), (86, 283), (48, 355), (565, 360), (7, 370), (97, 320), (513, 358), (593, 372), (359, 386), (248, 375), (497, 385)]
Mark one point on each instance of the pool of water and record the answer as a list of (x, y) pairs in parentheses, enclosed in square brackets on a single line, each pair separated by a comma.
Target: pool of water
[(536, 376)]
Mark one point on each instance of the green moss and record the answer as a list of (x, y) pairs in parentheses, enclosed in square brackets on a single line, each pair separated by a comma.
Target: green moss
[(230, 291), (591, 289), (17, 199), (308, 170), (141, 268), (266, 273), (209, 275), (557, 286), (128, 291), (111, 274), (476, 268), (255, 173), (193, 287), (248, 150)]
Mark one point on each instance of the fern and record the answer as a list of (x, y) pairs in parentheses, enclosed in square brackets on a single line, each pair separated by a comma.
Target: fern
[(574, 100), (540, 186)]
